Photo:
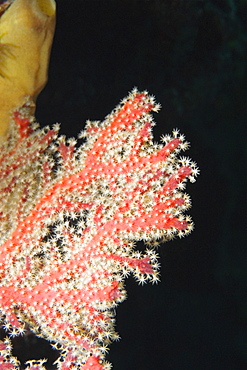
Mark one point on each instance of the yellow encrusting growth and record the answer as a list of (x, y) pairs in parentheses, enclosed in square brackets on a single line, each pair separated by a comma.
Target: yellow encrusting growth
[(26, 34)]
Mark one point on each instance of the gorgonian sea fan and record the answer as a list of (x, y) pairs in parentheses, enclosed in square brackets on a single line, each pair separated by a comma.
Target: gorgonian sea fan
[(69, 216)]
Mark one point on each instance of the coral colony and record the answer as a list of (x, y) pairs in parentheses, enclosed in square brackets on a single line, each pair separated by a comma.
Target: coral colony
[(69, 218)]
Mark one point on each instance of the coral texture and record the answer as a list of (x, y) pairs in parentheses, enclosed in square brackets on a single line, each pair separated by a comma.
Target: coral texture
[(69, 217)]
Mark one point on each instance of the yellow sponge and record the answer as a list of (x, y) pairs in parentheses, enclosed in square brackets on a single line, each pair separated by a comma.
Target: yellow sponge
[(26, 34)]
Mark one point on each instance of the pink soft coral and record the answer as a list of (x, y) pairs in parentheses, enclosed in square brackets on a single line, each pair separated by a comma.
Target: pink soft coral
[(69, 217)]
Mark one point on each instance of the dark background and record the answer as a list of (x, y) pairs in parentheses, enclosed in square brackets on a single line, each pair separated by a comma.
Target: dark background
[(192, 56)]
